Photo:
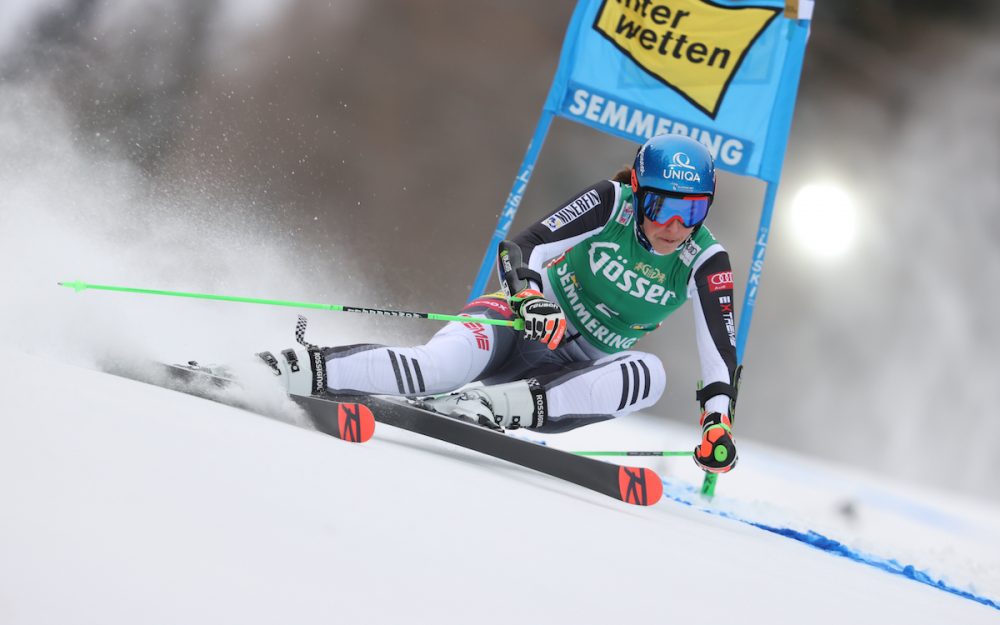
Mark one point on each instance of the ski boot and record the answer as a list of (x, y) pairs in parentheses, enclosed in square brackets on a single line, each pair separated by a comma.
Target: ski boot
[(302, 371), (503, 406)]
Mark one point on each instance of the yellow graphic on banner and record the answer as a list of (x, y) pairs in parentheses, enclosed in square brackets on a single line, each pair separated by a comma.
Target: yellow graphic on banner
[(695, 47)]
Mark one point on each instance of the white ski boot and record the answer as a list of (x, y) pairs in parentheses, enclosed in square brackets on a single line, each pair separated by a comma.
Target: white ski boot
[(512, 405), (303, 372)]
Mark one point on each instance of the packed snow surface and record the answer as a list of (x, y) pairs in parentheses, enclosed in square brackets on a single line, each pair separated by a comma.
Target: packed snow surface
[(126, 503)]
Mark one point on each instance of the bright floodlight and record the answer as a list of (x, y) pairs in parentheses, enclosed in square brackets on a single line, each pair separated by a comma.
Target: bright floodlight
[(823, 220)]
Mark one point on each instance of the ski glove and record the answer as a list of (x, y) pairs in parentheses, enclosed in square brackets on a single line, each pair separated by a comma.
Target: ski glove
[(544, 320), (717, 451)]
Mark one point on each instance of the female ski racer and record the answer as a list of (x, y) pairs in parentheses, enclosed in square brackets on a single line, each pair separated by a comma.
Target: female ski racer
[(589, 280)]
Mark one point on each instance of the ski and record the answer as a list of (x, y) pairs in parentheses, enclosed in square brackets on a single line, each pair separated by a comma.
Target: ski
[(352, 418), (347, 420), (634, 485)]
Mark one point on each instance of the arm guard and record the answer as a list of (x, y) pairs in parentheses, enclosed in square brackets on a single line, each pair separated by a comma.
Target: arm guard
[(514, 275)]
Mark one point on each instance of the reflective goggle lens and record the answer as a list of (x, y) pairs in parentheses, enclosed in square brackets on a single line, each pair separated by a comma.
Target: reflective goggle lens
[(661, 208)]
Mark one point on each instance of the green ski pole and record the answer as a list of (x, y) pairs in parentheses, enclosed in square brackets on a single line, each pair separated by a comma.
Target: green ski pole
[(708, 483), (517, 324), (633, 453)]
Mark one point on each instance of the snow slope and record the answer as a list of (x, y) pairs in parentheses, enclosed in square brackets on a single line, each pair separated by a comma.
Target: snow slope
[(127, 503)]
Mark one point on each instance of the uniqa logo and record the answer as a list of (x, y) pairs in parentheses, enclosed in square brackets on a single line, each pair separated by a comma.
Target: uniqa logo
[(681, 159), (680, 168)]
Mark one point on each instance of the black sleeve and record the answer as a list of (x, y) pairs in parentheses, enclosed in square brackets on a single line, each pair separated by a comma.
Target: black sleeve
[(586, 211), (715, 326)]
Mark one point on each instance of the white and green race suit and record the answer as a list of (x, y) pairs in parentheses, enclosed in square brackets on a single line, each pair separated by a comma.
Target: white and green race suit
[(591, 257), (595, 261), (614, 290)]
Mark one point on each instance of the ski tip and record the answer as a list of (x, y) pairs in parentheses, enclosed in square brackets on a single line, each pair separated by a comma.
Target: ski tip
[(355, 422), (642, 487)]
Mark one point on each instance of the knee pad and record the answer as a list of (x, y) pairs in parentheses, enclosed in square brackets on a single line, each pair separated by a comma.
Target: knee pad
[(614, 385), (647, 377)]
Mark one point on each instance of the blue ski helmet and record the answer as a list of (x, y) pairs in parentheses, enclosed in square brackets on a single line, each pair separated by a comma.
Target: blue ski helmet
[(673, 177)]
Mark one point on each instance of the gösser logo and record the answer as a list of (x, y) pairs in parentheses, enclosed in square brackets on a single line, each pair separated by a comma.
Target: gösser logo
[(601, 263)]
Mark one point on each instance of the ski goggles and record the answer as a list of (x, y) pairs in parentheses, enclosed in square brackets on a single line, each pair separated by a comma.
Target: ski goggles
[(663, 208)]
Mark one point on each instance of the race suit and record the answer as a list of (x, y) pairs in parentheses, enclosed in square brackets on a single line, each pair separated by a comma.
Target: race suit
[(591, 258)]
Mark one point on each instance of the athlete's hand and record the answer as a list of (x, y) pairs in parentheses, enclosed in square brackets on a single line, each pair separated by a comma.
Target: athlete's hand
[(544, 320), (717, 451)]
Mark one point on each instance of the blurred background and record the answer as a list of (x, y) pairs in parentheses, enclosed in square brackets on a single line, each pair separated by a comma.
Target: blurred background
[(359, 152)]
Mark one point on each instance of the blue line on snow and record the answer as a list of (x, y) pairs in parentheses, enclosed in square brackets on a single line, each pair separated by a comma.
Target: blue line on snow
[(836, 547)]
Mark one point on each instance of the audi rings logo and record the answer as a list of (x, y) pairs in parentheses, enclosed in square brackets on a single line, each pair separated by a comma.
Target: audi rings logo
[(720, 281)]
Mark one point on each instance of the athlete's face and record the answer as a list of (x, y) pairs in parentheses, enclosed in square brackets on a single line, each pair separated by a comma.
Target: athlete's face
[(665, 238)]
